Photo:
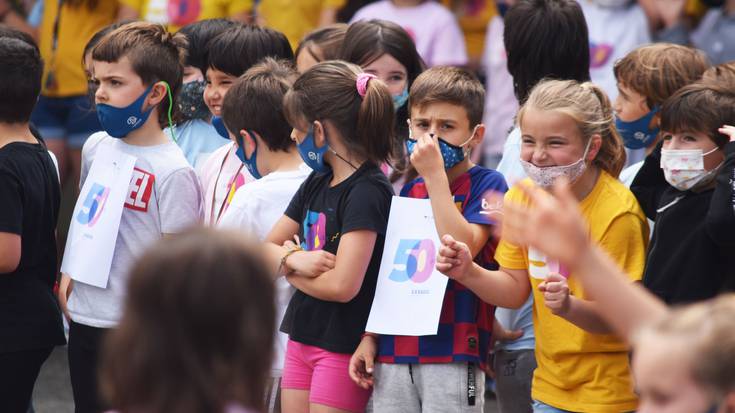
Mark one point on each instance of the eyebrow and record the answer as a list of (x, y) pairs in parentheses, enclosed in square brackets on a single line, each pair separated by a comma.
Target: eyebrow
[(424, 119), (109, 77)]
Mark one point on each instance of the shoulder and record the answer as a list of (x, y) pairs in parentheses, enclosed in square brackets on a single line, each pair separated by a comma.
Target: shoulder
[(615, 199), (373, 179), (485, 178), (93, 143), (214, 161)]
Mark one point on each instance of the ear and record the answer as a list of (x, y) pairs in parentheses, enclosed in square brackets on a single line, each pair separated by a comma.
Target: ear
[(478, 135), (159, 92), (320, 133), (595, 146), (656, 120), (249, 143)]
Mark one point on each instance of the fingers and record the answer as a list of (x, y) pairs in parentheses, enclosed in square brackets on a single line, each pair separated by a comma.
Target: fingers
[(729, 131)]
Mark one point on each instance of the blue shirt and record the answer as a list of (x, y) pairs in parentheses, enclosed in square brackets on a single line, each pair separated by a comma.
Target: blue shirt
[(197, 139)]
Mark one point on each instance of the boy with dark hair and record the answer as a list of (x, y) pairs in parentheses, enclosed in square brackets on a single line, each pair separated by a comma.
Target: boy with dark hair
[(194, 132), (442, 372), (138, 68), (30, 321), (229, 55), (264, 145)]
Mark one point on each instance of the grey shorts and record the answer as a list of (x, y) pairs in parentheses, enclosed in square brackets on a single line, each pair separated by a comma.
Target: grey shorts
[(429, 388)]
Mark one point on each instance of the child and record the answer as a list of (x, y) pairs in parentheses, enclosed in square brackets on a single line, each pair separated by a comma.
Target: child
[(385, 50), (684, 186), (138, 68), (694, 373), (568, 132), (319, 45), (646, 77), (439, 43), (264, 145), (343, 120), (194, 134), (30, 321), (446, 111), (197, 331), (229, 55)]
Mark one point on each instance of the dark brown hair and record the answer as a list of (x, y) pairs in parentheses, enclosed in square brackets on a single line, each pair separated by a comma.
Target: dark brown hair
[(328, 39), (328, 92), (451, 85), (255, 103), (198, 328), (658, 70), (155, 55), (700, 107)]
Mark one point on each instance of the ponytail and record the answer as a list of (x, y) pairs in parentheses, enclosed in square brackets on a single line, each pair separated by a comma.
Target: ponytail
[(611, 157)]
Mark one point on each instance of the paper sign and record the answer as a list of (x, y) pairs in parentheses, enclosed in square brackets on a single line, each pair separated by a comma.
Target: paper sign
[(96, 218), (410, 291)]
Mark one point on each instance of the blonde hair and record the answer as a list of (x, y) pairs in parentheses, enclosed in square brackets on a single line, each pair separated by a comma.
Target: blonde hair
[(590, 109), (708, 330)]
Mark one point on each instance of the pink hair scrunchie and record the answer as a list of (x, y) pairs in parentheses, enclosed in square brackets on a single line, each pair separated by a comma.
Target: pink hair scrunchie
[(362, 83)]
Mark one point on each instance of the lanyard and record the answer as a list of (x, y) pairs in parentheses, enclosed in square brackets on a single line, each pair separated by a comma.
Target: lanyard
[(212, 219)]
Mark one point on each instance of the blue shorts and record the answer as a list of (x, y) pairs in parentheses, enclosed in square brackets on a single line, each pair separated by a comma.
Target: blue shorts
[(72, 119)]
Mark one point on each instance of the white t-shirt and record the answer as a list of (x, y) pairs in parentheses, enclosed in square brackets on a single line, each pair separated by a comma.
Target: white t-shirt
[(433, 28), (164, 198), (222, 175), (255, 209)]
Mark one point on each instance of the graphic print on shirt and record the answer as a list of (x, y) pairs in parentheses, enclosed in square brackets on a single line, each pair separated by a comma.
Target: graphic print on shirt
[(540, 267), (94, 204), (234, 184), (315, 231), (141, 188), (414, 260), (600, 54)]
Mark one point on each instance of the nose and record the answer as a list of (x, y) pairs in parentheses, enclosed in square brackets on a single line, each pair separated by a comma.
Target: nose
[(99, 94)]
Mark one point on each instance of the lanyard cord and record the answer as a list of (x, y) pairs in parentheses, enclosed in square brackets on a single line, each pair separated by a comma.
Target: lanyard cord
[(212, 219)]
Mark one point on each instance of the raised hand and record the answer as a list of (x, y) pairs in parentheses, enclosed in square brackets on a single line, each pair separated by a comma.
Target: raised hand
[(454, 259)]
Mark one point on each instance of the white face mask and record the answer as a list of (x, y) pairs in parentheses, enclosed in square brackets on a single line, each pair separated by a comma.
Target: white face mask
[(684, 168), (544, 176)]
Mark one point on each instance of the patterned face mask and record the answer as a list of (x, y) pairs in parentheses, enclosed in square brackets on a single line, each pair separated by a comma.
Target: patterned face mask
[(544, 176), (684, 168), (191, 100), (451, 154)]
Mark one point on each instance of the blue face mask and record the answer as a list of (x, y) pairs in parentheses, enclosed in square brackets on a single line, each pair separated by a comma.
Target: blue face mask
[(638, 134), (451, 154), (400, 100), (219, 126), (251, 163), (311, 155), (119, 122)]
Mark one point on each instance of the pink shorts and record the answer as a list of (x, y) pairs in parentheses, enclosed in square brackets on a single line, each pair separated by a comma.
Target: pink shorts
[(325, 375)]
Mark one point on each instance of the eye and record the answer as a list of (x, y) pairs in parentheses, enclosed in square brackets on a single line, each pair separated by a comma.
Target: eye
[(447, 126), (114, 82), (556, 144), (422, 125), (667, 137), (689, 138), (527, 141), (395, 78)]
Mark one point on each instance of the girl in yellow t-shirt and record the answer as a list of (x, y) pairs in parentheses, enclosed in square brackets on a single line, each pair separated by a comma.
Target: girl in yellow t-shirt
[(567, 131)]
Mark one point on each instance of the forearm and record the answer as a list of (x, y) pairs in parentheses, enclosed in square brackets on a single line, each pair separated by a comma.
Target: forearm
[(626, 306), (447, 218), (329, 286), (498, 288), (720, 219), (274, 253), (584, 315)]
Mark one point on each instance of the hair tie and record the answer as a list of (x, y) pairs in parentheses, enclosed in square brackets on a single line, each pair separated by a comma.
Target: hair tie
[(362, 83)]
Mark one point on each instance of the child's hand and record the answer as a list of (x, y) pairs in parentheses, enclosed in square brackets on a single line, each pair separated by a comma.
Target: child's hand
[(454, 258), (362, 362), (426, 157), (65, 286), (551, 224), (556, 293), (310, 263), (729, 131)]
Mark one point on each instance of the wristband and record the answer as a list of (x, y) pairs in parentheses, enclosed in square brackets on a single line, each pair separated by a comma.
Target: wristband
[(285, 257), (366, 334)]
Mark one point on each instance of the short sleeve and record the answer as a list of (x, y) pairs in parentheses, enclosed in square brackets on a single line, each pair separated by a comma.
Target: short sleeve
[(366, 207), (180, 201), (625, 240), (11, 207), (508, 255), (295, 208), (475, 209)]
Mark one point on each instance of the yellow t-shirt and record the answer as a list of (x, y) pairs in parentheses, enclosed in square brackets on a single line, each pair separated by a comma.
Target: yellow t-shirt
[(294, 18), (76, 26), (156, 10), (580, 371), (473, 18)]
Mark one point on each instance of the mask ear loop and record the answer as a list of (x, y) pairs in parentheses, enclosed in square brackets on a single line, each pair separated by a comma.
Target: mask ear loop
[(170, 110)]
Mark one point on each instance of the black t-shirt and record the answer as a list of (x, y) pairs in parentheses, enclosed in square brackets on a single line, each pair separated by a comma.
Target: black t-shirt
[(29, 206), (690, 256), (361, 202)]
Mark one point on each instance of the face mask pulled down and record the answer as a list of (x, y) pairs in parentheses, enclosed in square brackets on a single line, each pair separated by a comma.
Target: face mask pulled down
[(545, 176)]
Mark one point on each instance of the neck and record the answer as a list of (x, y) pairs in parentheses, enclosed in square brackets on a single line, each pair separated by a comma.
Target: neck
[(584, 185), (280, 161), (15, 132), (342, 170), (149, 134), (457, 170)]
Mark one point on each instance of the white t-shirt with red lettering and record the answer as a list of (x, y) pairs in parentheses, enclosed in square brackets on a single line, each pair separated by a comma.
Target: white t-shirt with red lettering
[(164, 197)]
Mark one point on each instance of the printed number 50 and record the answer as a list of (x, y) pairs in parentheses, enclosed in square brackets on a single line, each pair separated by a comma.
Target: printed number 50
[(414, 260)]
